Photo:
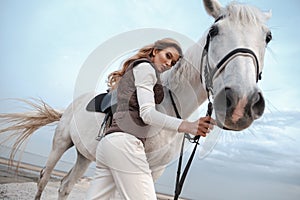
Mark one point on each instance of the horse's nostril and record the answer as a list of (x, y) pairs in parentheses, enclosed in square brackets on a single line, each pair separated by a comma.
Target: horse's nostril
[(258, 105), (224, 101), (229, 98), (228, 103)]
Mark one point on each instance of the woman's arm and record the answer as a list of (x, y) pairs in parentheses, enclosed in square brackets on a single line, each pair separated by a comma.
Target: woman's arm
[(145, 79)]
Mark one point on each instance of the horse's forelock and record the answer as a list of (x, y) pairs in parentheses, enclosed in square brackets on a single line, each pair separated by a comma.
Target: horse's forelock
[(245, 14)]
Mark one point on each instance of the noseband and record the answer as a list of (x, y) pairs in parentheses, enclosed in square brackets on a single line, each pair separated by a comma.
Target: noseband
[(210, 74)]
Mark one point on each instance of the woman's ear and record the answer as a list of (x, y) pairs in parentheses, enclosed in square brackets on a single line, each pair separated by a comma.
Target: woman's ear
[(155, 51)]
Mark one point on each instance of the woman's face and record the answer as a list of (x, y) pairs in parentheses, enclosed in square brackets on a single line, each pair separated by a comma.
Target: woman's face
[(165, 59)]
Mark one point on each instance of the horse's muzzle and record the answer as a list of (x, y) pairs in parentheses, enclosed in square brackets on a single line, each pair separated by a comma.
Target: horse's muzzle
[(234, 112)]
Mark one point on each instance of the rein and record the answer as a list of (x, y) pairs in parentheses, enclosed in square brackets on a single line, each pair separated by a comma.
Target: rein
[(180, 179)]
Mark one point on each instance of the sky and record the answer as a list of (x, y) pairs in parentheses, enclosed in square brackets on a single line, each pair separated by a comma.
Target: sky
[(45, 46)]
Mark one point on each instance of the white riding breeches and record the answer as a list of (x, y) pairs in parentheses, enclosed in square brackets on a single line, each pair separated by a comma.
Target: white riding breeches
[(122, 170)]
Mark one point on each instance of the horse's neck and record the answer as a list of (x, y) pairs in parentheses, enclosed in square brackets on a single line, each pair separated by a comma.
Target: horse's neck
[(184, 81)]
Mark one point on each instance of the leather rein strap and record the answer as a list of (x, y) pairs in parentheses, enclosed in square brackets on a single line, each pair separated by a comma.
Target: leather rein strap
[(180, 179)]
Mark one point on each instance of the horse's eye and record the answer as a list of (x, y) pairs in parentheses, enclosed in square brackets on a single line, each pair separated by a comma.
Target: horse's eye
[(213, 31), (268, 37)]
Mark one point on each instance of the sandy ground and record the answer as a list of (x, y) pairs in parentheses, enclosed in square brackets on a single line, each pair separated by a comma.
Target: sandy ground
[(22, 186), (25, 191)]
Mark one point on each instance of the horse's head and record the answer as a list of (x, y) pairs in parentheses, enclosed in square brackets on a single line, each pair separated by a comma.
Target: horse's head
[(232, 62)]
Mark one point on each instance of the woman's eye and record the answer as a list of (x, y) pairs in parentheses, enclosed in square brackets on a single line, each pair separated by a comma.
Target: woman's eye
[(168, 56)]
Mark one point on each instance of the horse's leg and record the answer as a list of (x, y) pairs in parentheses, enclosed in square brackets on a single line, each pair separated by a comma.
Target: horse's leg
[(74, 174), (61, 143)]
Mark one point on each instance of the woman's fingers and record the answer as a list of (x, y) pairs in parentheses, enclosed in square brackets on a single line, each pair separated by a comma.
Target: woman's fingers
[(200, 127), (205, 124)]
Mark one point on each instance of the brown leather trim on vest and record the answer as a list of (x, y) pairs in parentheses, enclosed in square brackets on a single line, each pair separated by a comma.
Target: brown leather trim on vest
[(127, 116)]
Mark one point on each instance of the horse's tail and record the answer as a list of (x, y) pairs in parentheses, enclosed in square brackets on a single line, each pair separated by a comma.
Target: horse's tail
[(23, 125)]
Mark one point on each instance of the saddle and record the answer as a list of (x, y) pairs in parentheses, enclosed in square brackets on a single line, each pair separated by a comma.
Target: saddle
[(103, 103)]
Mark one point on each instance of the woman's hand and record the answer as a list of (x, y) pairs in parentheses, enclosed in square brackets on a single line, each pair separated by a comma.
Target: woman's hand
[(200, 127)]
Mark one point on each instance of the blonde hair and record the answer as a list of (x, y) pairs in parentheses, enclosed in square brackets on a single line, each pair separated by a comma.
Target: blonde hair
[(145, 52)]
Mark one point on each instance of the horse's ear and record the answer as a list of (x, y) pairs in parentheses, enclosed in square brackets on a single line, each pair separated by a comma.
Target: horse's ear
[(213, 7), (268, 14)]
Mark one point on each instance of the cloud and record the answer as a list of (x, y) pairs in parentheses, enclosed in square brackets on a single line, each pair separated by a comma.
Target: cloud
[(264, 158), (275, 134)]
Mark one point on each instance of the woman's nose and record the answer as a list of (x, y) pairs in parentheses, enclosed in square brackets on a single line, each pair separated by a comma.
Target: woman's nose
[(169, 63)]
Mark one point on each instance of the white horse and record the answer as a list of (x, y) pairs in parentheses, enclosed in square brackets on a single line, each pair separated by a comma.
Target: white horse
[(227, 62)]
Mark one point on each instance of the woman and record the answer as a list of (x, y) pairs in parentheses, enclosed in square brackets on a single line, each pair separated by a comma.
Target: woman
[(122, 170)]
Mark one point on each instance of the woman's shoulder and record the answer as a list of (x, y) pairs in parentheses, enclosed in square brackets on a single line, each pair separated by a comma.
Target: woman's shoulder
[(144, 66), (143, 63), (144, 72)]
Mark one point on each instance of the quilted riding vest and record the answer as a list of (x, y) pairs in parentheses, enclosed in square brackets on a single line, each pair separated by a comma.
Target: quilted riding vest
[(127, 115)]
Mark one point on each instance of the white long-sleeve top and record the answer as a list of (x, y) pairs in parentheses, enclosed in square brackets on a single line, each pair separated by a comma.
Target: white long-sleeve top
[(145, 79)]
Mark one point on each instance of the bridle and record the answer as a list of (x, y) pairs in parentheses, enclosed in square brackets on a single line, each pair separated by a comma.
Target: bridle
[(209, 75)]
